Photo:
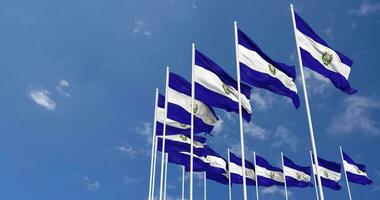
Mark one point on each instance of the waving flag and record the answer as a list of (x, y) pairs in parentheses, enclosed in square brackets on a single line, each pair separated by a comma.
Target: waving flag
[(329, 172), (178, 143), (236, 170), (179, 106), (183, 158), (217, 166), (216, 88), (356, 173), (295, 175), (257, 69), (267, 175), (319, 56)]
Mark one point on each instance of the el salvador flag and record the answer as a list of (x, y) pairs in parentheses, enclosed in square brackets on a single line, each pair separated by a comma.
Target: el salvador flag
[(257, 69), (179, 106), (319, 56), (356, 173), (329, 172), (216, 88), (236, 170), (216, 169), (267, 175), (183, 158), (179, 142), (295, 175)]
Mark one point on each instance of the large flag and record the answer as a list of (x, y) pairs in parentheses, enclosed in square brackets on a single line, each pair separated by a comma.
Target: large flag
[(217, 88), (319, 56), (295, 175), (259, 70), (180, 143), (236, 170), (267, 175), (356, 173), (329, 172), (216, 169), (179, 106)]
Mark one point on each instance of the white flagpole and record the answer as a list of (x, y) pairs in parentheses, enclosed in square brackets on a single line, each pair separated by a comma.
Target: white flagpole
[(257, 181), (164, 133), (154, 167), (283, 172), (313, 145), (345, 173), (315, 181), (166, 174), (240, 112), (204, 186), (192, 119), (153, 147), (183, 182), (229, 176)]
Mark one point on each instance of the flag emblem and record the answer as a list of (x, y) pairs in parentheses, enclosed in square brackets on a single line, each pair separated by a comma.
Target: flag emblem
[(326, 174), (327, 58), (271, 175), (298, 176), (272, 69), (226, 89), (195, 109), (184, 138)]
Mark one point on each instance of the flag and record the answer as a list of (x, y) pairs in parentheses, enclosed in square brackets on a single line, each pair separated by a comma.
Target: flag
[(179, 106), (172, 126), (183, 158), (356, 173), (216, 169), (179, 142), (236, 170), (217, 88), (329, 172), (320, 57), (295, 175), (267, 175), (257, 69)]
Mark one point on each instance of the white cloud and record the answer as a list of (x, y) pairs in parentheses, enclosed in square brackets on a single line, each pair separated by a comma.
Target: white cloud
[(261, 100), (356, 116), (194, 4), (315, 82), (145, 129), (218, 127), (62, 84), (275, 190), (142, 28), (129, 180), (127, 149), (256, 131), (91, 185), (283, 137), (41, 97), (366, 8)]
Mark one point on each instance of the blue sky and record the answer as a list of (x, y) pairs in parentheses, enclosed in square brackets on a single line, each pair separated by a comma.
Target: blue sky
[(77, 88)]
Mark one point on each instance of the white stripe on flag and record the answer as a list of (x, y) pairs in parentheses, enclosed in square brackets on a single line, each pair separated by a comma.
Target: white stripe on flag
[(328, 174), (169, 122), (274, 175), (236, 169), (298, 175), (182, 139), (353, 169), (316, 50), (212, 82), (203, 112), (257, 63)]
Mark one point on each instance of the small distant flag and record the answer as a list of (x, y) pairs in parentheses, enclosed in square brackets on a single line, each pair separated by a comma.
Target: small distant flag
[(236, 170), (217, 88), (295, 175), (319, 56), (183, 158), (356, 173), (267, 175), (329, 172), (259, 70), (179, 106), (179, 142)]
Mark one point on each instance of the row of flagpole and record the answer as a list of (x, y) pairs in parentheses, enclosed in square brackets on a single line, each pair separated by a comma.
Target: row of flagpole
[(313, 153)]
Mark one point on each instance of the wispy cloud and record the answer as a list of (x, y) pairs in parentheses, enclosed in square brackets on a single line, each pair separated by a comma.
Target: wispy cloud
[(145, 129), (141, 27), (127, 149), (316, 83), (283, 137), (62, 85), (261, 100), (366, 8), (275, 190), (329, 32), (42, 98), (130, 180), (218, 127), (91, 185), (255, 131)]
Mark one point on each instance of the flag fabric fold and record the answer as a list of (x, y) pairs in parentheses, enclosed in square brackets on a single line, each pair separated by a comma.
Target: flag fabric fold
[(320, 57), (259, 70), (267, 175), (295, 175), (236, 170), (180, 143), (356, 173), (329, 172), (217, 88)]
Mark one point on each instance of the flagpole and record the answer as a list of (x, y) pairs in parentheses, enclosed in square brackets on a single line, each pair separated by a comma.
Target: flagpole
[(345, 173), (153, 147), (229, 176), (192, 119), (204, 185), (183, 182), (314, 148), (164, 132), (257, 181), (154, 167), (283, 172), (166, 174), (315, 181), (240, 112)]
